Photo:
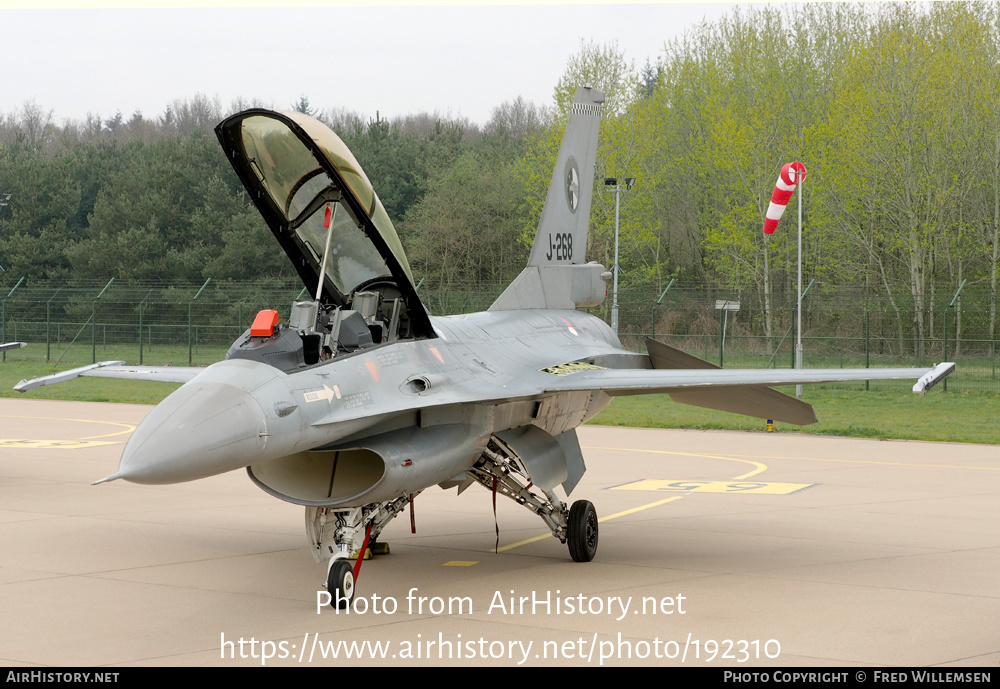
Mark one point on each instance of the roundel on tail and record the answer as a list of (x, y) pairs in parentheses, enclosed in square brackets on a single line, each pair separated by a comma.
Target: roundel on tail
[(572, 180)]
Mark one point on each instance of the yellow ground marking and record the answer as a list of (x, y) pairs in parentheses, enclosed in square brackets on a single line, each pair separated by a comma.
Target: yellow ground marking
[(690, 486), (526, 541), (87, 441), (759, 468), (749, 459), (640, 508), (874, 461), (460, 563), (542, 537), (53, 444)]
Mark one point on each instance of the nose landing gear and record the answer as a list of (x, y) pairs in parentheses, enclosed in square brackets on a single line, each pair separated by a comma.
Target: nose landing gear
[(340, 583)]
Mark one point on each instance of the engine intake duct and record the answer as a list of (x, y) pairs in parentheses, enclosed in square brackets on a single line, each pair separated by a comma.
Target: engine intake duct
[(374, 469)]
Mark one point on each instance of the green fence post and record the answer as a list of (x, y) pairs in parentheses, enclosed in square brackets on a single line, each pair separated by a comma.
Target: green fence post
[(3, 314), (795, 335), (868, 332), (190, 304), (93, 323), (652, 309), (48, 326), (142, 305), (951, 305)]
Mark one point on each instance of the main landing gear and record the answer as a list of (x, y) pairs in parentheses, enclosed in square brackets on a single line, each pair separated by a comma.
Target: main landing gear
[(500, 470), (581, 531)]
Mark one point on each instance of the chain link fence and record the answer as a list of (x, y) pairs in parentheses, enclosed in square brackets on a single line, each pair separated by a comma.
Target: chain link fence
[(196, 323)]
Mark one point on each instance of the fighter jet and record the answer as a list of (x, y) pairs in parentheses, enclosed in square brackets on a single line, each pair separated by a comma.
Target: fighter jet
[(362, 399)]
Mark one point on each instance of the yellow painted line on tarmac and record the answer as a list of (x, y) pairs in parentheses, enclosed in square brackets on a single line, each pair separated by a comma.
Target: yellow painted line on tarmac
[(526, 541), (542, 537), (749, 459), (53, 444), (69, 444), (640, 508), (731, 486), (759, 467), (875, 461), (460, 563)]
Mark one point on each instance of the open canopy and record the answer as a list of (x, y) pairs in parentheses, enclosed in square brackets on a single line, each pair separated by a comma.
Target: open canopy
[(294, 166)]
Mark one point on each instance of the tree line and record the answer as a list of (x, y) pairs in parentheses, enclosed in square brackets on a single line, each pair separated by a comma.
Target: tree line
[(893, 108)]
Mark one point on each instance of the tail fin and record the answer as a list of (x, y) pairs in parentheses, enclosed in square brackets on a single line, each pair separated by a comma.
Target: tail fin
[(556, 276), (561, 237)]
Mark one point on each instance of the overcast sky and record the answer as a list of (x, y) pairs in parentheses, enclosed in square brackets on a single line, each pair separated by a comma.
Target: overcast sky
[(397, 58)]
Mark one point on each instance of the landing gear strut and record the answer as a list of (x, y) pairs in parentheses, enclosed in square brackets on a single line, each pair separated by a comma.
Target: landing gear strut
[(576, 526), (343, 536)]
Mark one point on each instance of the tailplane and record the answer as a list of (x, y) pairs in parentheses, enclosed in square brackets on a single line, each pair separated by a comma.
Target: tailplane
[(556, 276)]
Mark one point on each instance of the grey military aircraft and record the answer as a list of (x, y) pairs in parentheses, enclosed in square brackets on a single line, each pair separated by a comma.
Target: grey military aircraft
[(362, 400)]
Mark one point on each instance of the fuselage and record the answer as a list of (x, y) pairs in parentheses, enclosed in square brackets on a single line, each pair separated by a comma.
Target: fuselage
[(484, 372)]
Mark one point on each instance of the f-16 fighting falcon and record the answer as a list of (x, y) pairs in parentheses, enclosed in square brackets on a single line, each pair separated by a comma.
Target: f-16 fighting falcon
[(362, 399)]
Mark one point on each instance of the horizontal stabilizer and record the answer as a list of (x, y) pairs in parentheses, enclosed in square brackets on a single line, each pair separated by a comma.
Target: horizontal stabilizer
[(761, 402)]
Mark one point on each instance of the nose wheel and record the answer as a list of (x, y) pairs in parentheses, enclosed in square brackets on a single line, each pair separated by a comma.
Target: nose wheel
[(581, 531), (340, 583)]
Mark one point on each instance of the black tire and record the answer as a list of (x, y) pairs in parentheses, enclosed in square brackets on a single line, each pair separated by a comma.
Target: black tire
[(581, 533), (340, 583)]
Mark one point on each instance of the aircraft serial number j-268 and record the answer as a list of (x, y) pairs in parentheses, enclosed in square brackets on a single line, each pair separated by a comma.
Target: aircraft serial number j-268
[(362, 399)]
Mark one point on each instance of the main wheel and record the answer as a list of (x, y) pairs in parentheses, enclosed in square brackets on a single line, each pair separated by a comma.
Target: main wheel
[(581, 531), (340, 583)]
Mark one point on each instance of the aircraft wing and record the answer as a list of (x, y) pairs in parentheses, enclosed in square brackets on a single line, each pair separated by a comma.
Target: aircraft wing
[(743, 391), (115, 369)]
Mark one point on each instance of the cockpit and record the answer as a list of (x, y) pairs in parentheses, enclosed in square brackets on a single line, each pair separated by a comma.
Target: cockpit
[(321, 207)]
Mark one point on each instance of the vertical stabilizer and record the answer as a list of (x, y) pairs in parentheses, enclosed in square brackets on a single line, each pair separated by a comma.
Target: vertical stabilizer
[(561, 238), (556, 277)]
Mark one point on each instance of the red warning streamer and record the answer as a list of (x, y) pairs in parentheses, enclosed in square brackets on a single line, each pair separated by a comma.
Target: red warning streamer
[(791, 175)]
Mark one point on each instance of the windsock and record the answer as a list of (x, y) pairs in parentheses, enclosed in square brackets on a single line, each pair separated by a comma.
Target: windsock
[(791, 174)]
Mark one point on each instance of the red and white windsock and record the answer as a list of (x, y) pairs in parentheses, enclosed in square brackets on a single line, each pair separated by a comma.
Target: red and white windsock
[(791, 175)]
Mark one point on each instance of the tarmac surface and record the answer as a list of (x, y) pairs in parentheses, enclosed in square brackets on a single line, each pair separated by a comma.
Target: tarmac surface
[(716, 548)]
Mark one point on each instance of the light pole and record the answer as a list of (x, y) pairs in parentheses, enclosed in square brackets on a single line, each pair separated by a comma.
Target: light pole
[(617, 191)]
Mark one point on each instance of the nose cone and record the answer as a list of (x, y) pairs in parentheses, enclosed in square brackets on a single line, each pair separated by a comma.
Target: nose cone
[(202, 429)]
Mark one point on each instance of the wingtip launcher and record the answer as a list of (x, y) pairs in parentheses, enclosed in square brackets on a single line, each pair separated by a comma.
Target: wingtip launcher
[(933, 377), (62, 376)]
